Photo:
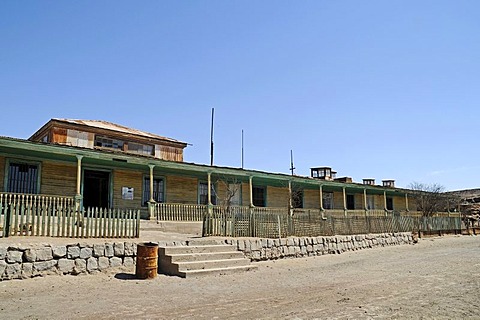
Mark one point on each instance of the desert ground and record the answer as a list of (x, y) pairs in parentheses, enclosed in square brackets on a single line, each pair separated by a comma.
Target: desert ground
[(438, 278)]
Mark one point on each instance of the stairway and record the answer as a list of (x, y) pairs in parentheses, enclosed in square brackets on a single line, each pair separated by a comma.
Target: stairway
[(202, 257)]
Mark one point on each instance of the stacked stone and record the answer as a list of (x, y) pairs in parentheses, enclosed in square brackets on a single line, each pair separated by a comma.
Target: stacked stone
[(21, 262), (296, 247)]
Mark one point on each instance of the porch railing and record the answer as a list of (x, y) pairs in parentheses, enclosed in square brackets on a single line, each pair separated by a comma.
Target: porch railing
[(57, 216)]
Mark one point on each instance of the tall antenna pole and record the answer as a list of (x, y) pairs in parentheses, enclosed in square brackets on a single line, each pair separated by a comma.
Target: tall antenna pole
[(211, 139), (242, 148), (291, 162)]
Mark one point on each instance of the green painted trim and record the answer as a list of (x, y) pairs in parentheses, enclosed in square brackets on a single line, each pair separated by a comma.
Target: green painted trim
[(136, 162), (30, 162)]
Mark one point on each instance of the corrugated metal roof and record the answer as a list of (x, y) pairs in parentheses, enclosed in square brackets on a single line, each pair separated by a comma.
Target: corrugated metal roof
[(100, 124)]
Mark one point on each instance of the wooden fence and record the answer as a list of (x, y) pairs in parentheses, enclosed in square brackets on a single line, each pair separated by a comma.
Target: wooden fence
[(310, 223), (56, 216)]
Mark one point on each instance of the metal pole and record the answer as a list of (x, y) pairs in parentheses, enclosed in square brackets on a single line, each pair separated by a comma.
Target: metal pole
[(211, 139)]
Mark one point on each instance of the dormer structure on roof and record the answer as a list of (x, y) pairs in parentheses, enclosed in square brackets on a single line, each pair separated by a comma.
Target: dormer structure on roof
[(103, 135)]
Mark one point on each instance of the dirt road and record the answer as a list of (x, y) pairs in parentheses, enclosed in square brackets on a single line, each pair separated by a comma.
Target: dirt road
[(437, 278)]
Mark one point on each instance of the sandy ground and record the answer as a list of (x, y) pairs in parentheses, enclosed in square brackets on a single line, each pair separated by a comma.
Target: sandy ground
[(438, 278)]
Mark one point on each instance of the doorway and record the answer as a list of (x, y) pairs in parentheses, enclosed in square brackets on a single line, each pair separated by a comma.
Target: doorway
[(96, 189)]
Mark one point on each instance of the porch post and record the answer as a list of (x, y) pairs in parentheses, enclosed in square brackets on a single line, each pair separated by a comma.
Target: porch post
[(344, 202), (209, 186), (78, 195), (322, 210), (365, 205), (406, 203), (250, 181), (290, 211), (151, 202), (385, 203)]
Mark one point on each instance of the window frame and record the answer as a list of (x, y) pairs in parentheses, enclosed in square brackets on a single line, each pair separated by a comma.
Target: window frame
[(264, 200), (10, 161), (146, 186), (213, 191)]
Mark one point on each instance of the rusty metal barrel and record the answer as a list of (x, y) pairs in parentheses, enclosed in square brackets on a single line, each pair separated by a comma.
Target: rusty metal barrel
[(147, 260)]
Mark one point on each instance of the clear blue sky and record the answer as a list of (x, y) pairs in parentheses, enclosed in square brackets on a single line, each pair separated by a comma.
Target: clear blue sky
[(381, 89)]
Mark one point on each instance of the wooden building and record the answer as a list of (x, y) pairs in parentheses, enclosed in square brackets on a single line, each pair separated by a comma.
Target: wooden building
[(106, 165)]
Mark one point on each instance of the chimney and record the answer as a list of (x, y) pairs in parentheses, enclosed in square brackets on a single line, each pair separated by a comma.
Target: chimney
[(388, 183), (370, 182)]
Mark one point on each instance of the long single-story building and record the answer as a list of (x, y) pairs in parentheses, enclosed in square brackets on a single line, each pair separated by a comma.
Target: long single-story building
[(106, 165)]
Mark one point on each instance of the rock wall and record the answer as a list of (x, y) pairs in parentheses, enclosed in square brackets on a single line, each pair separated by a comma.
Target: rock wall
[(21, 262), (268, 249)]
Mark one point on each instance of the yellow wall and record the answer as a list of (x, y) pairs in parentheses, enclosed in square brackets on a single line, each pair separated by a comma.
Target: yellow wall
[(58, 179), (181, 190), (131, 179), (311, 199), (277, 197)]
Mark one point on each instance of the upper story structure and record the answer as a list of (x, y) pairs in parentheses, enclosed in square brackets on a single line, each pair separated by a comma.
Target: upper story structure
[(107, 136)]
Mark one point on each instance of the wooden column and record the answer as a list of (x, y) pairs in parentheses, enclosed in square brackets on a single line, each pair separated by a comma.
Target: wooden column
[(365, 204), (79, 174), (209, 188), (406, 203), (289, 194), (321, 197), (385, 202), (151, 166), (151, 202), (250, 181), (344, 201)]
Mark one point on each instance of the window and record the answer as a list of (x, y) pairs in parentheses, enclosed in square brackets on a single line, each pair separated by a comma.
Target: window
[(389, 203), (105, 142), (140, 148), (234, 191), (22, 178), (158, 190), (258, 196), (203, 193), (297, 198), (327, 200), (350, 202), (370, 202)]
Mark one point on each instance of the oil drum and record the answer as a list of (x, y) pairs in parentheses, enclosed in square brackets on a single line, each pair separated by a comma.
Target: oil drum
[(147, 260)]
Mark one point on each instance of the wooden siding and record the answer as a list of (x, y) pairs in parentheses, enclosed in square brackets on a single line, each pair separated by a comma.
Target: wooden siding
[(131, 179), (169, 153), (58, 179), (246, 194), (181, 190), (399, 203), (311, 199), (2, 174), (59, 135), (277, 197)]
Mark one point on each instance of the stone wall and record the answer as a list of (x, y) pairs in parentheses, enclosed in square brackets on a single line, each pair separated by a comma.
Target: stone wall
[(297, 247), (21, 262)]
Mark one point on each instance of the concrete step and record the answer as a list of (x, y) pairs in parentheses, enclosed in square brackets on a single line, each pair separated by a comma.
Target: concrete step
[(212, 264), (195, 249), (219, 271), (208, 258), (204, 256)]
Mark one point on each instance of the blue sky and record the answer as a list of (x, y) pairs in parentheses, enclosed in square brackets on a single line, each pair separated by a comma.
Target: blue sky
[(377, 89)]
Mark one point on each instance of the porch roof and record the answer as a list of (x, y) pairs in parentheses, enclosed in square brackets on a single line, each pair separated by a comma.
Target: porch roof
[(25, 149)]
